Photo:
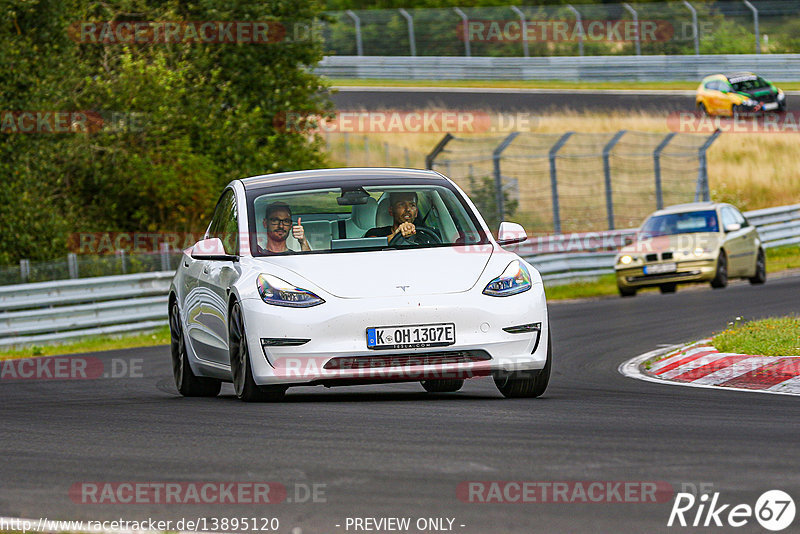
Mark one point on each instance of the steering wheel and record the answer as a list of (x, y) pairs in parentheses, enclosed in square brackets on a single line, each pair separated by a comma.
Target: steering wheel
[(424, 236)]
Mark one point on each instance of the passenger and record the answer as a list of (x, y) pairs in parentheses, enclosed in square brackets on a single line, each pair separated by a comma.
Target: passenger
[(277, 221)]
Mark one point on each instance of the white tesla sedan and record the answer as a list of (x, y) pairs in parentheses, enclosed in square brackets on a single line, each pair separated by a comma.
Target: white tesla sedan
[(355, 276)]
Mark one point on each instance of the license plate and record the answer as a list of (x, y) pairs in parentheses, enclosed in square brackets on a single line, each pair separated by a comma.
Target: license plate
[(771, 106), (660, 268), (411, 336)]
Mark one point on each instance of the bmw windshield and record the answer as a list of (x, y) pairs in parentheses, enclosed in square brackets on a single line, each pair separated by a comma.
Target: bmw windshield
[(357, 218), (680, 223)]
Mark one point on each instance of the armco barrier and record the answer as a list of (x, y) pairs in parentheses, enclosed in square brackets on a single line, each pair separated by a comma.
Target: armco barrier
[(49, 312), (776, 67)]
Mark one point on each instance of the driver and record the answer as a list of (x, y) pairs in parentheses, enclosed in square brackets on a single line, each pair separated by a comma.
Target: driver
[(403, 210)]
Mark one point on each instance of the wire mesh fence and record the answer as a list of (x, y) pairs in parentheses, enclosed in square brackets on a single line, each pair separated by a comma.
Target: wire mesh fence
[(576, 182), (705, 27)]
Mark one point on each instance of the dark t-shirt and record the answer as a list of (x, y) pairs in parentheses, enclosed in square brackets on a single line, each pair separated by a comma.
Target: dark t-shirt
[(268, 253), (382, 231)]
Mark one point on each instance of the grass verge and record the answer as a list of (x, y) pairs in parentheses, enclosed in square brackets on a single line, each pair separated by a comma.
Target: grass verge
[(530, 84), (93, 344), (779, 336)]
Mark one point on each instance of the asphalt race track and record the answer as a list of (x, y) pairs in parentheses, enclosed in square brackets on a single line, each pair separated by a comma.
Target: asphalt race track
[(395, 451), (511, 100)]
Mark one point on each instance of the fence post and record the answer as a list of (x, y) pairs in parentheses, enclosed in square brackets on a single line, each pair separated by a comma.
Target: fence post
[(408, 159), (72, 264), (755, 24), (637, 36), (410, 21), (498, 177), (386, 152), (123, 262), (430, 159), (346, 149), (366, 151), (579, 25), (25, 270), (164, 249), (702, 172), (694, 27), (465, 22), (607, 173), (523, 25), (554, 180), (357, 22), (657, 168)]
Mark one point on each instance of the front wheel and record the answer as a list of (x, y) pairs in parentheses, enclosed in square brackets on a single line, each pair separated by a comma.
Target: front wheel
[(761, 270), (626, 291), (187, 383), (519, 384), (243, 384), (721, 277)]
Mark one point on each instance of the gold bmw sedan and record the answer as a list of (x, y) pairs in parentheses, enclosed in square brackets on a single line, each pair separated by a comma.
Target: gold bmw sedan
[(697, 242)]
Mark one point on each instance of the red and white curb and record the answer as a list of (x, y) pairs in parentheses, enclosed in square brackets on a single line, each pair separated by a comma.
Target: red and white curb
[(701, 365)]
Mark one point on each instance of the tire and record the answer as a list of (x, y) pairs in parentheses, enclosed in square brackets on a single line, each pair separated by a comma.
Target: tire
[(243, 384), (701, 107), (761, 269), (187, 383), (721, 277), (447, 385), (626, 291), (668, 288), (525, 384)]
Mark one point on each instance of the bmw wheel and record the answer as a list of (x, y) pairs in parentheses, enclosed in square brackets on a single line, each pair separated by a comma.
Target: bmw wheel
[(187, 383), (518, 384), (243, 384), (761, 269), (721, 277)]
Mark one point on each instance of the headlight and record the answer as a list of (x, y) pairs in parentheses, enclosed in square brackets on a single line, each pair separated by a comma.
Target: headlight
[(749, 102), (699, 251), (781, 95), (626, 259), (278, 292), (515, 279)]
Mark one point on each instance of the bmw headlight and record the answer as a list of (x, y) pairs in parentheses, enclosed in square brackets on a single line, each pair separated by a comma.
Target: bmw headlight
[(278, 292), (515, 279), (626, 259)]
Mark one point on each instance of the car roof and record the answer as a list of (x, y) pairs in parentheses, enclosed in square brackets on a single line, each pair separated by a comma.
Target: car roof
[(356, 175), (691, 206), (743, 74)]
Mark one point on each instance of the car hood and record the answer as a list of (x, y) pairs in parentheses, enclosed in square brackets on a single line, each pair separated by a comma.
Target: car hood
[(390, 273), (675, 242)]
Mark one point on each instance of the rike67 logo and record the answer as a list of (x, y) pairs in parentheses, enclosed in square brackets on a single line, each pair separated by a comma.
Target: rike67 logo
[(774, 510)]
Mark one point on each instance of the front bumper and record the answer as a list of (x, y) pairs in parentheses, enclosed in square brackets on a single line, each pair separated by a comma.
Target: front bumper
[(689, 271), (337, 329)]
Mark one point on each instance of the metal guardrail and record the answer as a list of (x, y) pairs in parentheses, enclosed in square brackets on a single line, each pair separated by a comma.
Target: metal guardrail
[(775, 67), (49, 312), (57, 311), (777, 227)]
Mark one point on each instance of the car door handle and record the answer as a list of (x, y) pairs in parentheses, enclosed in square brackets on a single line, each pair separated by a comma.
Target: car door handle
[(205, 269)]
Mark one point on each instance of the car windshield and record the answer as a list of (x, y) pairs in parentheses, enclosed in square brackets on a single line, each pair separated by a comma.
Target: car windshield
[(749, 84), (680, 223), (358, 218)]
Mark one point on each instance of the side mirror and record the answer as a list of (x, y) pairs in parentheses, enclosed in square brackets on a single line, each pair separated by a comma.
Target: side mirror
[(733, 227), (211, 249), (511, 233)]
